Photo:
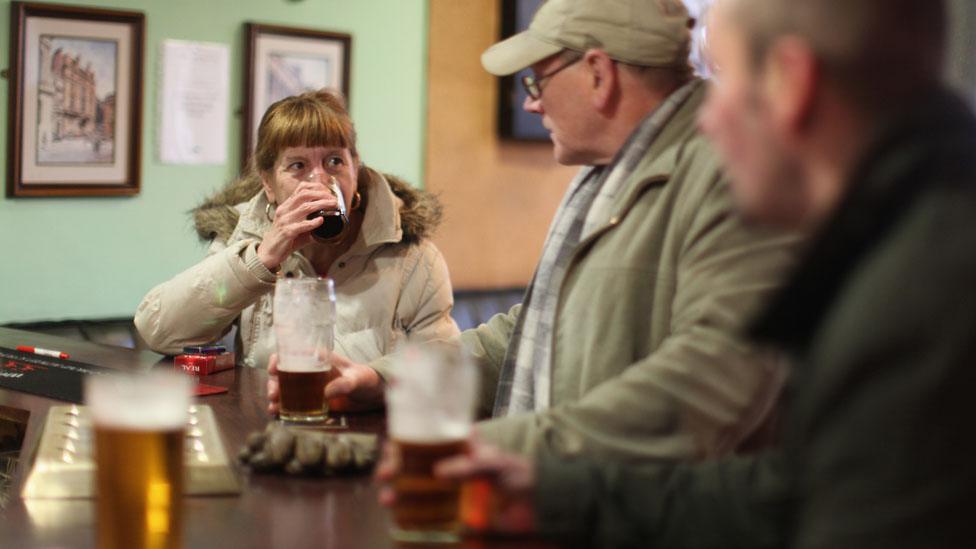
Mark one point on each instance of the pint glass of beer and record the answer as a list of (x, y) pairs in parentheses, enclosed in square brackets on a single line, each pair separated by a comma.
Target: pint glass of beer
[(138, 424), (304, 319), (430, 407)]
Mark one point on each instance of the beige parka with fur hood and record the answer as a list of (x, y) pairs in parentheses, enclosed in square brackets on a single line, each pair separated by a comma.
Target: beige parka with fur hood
[(392, 282)]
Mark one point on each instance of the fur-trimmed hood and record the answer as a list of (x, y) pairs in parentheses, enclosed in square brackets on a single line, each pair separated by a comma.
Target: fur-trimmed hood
[(216, 217)]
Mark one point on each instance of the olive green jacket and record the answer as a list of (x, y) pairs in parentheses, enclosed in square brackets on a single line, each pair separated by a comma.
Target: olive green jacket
[(646, 359)]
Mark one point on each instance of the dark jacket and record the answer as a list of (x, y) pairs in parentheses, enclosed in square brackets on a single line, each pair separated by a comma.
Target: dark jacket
[(880, 318)]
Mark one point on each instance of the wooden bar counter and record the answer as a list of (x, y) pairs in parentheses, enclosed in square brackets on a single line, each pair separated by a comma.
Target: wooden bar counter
[(271, 511)]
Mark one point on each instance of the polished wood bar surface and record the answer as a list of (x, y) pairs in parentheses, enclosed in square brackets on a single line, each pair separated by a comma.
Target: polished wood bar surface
[(272, 511)]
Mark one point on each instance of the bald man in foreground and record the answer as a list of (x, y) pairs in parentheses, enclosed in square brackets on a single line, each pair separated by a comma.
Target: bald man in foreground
[(831, 116)]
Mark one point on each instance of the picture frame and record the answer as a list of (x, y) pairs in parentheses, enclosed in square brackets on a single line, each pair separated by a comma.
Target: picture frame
[(75, 101), (513, 122), (282, 61)]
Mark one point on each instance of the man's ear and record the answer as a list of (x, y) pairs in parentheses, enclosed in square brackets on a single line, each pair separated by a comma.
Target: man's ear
[(790, 82), (602, 78)]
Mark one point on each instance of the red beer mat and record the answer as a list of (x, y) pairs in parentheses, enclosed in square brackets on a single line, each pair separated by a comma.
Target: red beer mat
[(202, 389)]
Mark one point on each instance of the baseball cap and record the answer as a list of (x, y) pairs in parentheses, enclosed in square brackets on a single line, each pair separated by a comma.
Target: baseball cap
[(654, 33)]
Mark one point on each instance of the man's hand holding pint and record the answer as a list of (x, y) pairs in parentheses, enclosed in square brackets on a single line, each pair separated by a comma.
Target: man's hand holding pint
[(499, 488)]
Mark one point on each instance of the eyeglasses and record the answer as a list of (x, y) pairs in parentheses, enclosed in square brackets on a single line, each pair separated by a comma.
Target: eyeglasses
[(533, 85)]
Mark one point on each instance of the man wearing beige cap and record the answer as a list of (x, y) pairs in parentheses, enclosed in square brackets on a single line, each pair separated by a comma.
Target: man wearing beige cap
[(831, 114), (626, 343)]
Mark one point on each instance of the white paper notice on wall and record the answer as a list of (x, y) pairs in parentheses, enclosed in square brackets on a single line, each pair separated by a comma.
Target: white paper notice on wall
[(193, 91)]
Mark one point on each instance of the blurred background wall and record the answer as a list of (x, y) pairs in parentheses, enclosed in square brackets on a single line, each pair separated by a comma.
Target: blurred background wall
[(499, 195), (96, 257), (424, 109)]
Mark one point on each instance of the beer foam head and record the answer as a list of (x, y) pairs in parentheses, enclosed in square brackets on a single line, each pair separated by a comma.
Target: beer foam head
[(304, 301), (427, 429), (303, 346), (303, 363), (431, 394), (153, 401)]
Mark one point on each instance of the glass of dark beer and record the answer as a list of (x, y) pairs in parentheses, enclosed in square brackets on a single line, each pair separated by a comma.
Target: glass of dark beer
[(430, 408), (139, 424), (304, 320)]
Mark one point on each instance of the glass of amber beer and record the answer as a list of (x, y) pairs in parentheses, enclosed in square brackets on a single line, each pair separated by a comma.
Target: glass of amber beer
[(430, 407), (139, 424), (304, 319)]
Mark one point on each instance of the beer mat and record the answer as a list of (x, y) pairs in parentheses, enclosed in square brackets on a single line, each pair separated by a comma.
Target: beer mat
[(64, 467), (332, 423), (55, 378), (302, 451), (202, 389)]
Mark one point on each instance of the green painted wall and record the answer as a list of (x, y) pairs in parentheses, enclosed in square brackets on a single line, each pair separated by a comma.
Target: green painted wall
[(96, 257)]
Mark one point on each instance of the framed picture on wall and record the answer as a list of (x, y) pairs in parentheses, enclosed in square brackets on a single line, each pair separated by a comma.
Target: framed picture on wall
[(75, 99), (284, 61), (513, 122)]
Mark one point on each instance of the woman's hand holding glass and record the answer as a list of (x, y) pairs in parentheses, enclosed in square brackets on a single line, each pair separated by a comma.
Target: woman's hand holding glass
[(353, 387), (291, 230), (298, 182)]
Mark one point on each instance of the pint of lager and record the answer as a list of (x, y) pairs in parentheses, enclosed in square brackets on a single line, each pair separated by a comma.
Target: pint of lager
[(430, 407), (138, 427), (304, 317), (424, 504)]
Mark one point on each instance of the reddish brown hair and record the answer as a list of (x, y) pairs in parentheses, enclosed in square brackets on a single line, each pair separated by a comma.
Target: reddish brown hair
[(312, 119)]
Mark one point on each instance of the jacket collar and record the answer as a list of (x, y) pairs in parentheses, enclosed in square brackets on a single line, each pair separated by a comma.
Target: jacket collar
[(650, 154), (381, 223), (930, 145), (661, 158)]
